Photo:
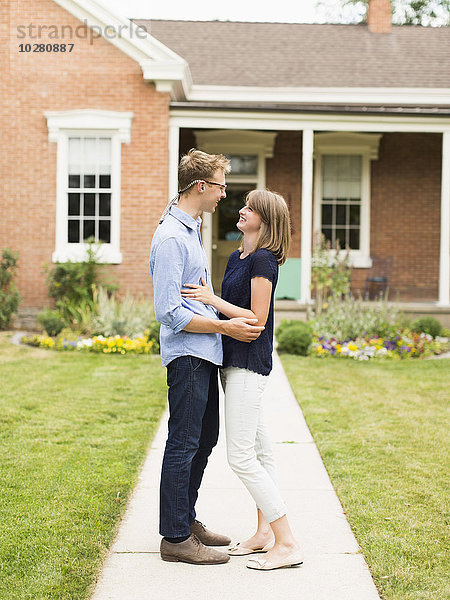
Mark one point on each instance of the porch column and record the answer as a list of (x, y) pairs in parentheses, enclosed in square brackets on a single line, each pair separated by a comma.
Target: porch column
[(174, 152), (306, 226), (444, 263)]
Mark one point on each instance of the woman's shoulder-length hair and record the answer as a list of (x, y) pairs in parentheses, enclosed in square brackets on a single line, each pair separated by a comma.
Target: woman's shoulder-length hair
[(275, 233)]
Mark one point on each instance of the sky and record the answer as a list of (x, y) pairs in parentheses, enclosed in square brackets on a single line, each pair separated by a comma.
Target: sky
[(285, 11)]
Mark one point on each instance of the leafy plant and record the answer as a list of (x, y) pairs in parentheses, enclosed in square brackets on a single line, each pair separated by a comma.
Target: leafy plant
[(73, 286), (294, 337), (330, 272), (349, 318), (51, 321), (129, 316), (428, 325), (9, 296)]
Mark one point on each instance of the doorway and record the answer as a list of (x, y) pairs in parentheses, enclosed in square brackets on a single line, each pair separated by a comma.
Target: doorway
[(225, 235)]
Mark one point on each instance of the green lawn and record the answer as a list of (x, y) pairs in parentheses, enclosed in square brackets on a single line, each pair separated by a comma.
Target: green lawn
[(383, 430), (74, 432)]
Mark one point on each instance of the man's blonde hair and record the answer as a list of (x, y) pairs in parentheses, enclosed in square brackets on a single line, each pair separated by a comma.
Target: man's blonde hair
[(199, 165), (275, 233)]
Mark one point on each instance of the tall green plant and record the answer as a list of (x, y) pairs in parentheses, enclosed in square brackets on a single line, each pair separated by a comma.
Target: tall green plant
[(128, 316), (330, 272), (73, 286), (9, 296)]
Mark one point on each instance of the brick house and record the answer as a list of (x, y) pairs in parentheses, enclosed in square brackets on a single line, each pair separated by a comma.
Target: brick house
[(351, 123)]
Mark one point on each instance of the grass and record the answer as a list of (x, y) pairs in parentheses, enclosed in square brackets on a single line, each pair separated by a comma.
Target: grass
[(74, 431), (382, 430)]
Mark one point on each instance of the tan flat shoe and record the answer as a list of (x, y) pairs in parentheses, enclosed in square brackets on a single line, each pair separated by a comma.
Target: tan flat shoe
[(239, 550), (260, 564)]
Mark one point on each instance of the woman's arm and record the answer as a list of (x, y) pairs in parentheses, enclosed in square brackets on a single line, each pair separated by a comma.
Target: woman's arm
[(261, 290)]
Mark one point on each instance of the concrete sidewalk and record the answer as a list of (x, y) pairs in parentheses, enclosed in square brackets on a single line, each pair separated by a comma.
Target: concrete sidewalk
[(334, 568)]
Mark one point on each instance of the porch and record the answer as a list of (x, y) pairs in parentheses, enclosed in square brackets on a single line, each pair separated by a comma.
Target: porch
[(395, 211)]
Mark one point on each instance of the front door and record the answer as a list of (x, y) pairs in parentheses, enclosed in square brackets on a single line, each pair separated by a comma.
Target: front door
[(225, 235)]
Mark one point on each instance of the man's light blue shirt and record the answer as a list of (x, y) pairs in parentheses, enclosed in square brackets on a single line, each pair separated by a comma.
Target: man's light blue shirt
[(177, 257)]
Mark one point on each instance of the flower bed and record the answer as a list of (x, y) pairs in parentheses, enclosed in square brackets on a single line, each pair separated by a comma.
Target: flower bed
[(402, 344), (107, 345)]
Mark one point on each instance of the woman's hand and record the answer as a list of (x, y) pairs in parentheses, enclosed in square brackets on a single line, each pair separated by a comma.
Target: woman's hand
[(202, 293)]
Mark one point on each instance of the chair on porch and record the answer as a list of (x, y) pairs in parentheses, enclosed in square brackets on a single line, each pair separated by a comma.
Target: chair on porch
[(377, 282)]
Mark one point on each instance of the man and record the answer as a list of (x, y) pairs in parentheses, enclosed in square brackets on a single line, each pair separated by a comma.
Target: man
[(191, 348)]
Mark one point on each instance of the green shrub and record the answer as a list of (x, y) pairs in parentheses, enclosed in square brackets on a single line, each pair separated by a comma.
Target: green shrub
[(445, 332), (51, 321), (9, 296), (152, 333), (428, 325), (294, 337)]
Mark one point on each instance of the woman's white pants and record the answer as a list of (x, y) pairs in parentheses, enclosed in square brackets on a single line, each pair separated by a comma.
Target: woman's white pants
[(249, 448)]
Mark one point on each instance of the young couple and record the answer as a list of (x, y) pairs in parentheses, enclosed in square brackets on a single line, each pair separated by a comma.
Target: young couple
[(201, 332)]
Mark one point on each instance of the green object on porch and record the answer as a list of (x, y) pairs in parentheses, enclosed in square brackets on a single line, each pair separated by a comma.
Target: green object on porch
[(289, 280)]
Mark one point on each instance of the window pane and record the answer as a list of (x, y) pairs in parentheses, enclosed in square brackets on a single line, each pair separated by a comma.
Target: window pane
[(74, 204), (89, 205), (354, 239), (89, 181), (244, 164), (330, 166), (341, 176), (327, 214), (73, 233), (74, 181), (327, 234), (90, 155), (105, 205), (104, 231), (105, 181), (88, 229), (104, 156), (340, 236), (75, 155), (341, 210), (354, 215)]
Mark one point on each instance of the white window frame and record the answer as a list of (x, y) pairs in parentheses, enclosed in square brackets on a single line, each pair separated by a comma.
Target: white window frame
[(366, 146), (79, 123)]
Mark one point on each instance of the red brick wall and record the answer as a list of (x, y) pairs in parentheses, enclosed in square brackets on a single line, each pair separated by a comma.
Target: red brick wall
[(405, 214), (283, 175), (96, 76)]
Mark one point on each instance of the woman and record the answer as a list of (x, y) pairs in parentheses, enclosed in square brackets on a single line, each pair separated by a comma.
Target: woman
[(248, 291)]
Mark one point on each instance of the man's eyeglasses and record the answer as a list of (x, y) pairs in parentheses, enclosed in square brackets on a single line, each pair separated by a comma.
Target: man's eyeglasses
[(223, 186)]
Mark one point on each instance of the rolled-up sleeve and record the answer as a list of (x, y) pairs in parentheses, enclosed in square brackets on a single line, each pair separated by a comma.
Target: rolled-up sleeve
[(167, 276)]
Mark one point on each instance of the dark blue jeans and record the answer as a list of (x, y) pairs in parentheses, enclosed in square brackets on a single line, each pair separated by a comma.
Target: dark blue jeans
[(193, 433)]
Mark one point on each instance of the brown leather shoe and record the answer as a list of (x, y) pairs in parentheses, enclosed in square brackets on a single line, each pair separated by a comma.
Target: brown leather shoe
[(192, 551), (208, 537)]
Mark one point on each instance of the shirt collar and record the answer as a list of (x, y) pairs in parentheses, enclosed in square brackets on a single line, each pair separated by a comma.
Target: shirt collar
[(184, 218)]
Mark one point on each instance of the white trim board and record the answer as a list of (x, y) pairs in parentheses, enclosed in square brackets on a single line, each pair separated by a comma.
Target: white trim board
[(328, 95), (281, 121)]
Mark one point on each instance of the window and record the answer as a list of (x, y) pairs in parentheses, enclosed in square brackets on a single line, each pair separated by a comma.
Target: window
[(342, 191), (245, 164), (341, 200), (88, 181), (89, 190)]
